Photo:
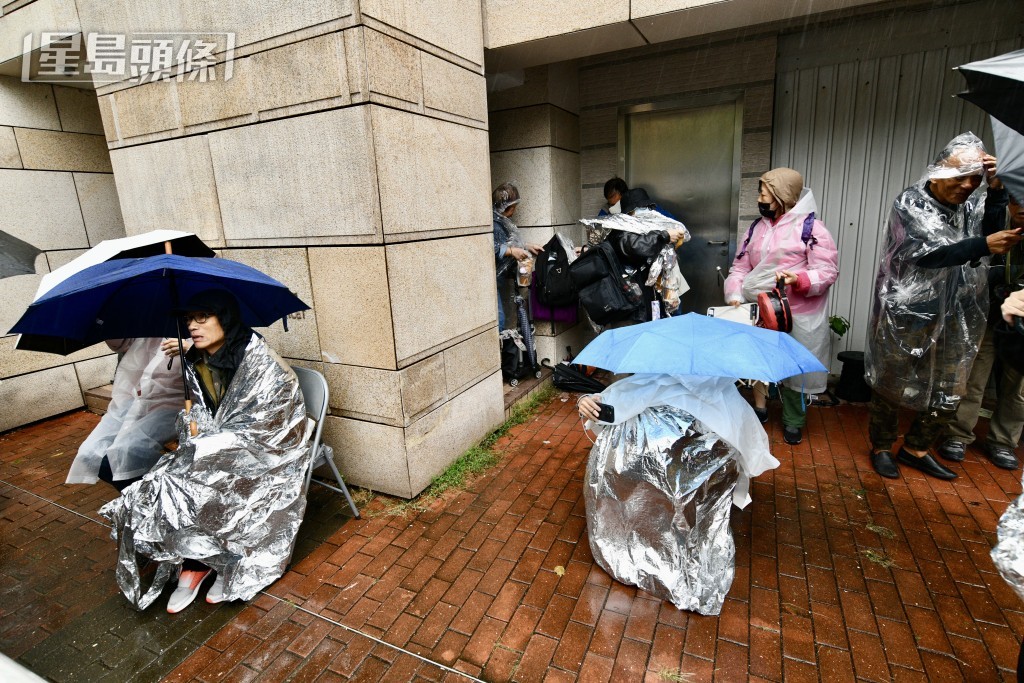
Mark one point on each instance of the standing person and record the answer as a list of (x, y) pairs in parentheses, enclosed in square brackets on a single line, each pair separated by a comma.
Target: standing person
[(144, 404), (931, 302), (789, 243), (230, 499), (614, 190), (509, 246), (1007, 421), (637, 252)]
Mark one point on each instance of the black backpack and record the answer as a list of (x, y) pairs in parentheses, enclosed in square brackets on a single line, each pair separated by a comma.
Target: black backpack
[(606, 292), (555, 287)]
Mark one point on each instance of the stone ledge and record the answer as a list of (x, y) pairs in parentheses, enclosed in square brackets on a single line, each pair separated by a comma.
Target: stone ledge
[(98, 400)]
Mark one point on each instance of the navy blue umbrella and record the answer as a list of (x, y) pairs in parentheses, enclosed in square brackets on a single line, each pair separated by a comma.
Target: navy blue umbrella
[(140, 297), (697, 345)]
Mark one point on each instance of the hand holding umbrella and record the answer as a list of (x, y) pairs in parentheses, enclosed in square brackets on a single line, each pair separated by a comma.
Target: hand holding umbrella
[(141, 298)]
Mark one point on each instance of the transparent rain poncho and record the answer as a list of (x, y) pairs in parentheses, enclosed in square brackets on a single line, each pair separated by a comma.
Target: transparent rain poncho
[(231, 497), (927, 322), (145, 401), (779, 247), (506, 233), (662, 480)]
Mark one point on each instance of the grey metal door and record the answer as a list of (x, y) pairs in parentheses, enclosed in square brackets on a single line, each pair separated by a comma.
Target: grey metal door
[(686, 157)]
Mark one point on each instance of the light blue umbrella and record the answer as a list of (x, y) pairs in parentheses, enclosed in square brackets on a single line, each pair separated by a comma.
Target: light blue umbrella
[(700, 346)]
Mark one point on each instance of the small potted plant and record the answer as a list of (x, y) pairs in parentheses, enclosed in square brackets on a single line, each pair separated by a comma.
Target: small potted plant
[(839, 325), (851, 386)]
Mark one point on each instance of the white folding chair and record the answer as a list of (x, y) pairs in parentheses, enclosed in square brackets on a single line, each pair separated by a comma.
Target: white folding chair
[(316, 394)]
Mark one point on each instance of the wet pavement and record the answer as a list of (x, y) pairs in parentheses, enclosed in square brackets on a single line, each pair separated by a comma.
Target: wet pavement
[(840, 575)]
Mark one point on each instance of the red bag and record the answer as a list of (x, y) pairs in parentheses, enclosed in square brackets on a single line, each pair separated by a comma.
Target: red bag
[(774, 308)]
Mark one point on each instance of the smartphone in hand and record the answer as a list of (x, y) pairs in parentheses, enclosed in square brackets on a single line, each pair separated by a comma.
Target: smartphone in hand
[(606, 413)]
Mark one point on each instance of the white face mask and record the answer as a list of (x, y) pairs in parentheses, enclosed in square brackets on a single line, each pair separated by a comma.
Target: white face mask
[(615, 208)]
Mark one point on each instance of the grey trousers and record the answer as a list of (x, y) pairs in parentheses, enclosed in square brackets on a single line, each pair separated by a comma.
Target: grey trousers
[(1008, 418)]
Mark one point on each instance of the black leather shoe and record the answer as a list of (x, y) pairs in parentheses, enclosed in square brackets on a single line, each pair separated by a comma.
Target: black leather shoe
[(792, 435), (926, 464), (885, 464), (1001, 456), (952, 450), (762, 415)]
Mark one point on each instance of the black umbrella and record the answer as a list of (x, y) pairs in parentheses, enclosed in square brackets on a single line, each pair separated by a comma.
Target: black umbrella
[(997, 86), (568, 378), (1010, 152), (16, 256)]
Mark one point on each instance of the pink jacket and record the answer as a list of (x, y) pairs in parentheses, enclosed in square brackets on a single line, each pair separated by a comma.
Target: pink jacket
[(778, 247)]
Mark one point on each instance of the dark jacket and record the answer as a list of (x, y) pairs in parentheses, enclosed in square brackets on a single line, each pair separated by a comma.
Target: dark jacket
[(637, 252)]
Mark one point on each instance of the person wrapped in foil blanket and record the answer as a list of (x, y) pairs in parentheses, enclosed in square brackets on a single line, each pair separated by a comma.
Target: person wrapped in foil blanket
[(662, 479), (231, 497), (1008, 555)]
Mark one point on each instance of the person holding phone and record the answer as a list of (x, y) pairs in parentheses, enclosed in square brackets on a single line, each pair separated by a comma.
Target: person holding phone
[(931, 302), (591, 408)]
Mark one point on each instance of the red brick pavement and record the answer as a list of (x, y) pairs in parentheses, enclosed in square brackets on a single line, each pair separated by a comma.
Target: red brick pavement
[(48, 557), (840, 575)]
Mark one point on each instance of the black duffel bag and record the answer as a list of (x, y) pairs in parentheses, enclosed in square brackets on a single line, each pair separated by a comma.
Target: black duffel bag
[(606, 292)]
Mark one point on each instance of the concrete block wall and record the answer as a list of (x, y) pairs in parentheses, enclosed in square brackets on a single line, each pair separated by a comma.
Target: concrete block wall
[(524, 33), (534, 142), (347, 157), (674, 72), (56, 192)]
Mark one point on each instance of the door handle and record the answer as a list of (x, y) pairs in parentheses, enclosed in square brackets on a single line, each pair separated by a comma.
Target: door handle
[(718, 243)]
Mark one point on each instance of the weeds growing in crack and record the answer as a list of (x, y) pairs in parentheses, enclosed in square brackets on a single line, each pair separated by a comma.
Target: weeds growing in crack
[(878, 558), (475, 461), (883, 531)]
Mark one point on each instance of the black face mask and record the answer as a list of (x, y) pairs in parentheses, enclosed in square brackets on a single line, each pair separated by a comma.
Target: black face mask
[(766, 210)]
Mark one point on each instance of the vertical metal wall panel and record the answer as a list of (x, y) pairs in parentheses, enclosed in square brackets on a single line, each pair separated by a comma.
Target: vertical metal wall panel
[(861, 126)]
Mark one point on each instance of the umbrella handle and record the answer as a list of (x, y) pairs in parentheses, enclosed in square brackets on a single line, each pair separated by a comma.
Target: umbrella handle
[(193, 428)]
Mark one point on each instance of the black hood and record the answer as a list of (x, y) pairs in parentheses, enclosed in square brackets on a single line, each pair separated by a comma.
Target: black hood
[(237, 334)]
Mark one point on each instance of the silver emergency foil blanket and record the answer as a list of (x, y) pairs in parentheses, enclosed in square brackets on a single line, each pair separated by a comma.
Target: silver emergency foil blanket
[(1008, 555), (664, 270), (231, 497), (658, 495)]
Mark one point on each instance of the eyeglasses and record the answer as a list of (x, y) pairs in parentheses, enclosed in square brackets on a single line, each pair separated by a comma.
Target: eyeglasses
[(199, 317)]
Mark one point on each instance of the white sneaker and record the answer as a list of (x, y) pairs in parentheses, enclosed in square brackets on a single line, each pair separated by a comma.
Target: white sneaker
[(216, 592), (189, 584)]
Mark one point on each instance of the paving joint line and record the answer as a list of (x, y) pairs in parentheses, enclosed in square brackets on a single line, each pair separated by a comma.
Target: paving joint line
[(375, 639), (299, 607), (55, 503)]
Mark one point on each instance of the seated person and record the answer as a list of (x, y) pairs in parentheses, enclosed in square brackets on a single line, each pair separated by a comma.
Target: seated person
[(145, 401), (661, 480), (231, 498)]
